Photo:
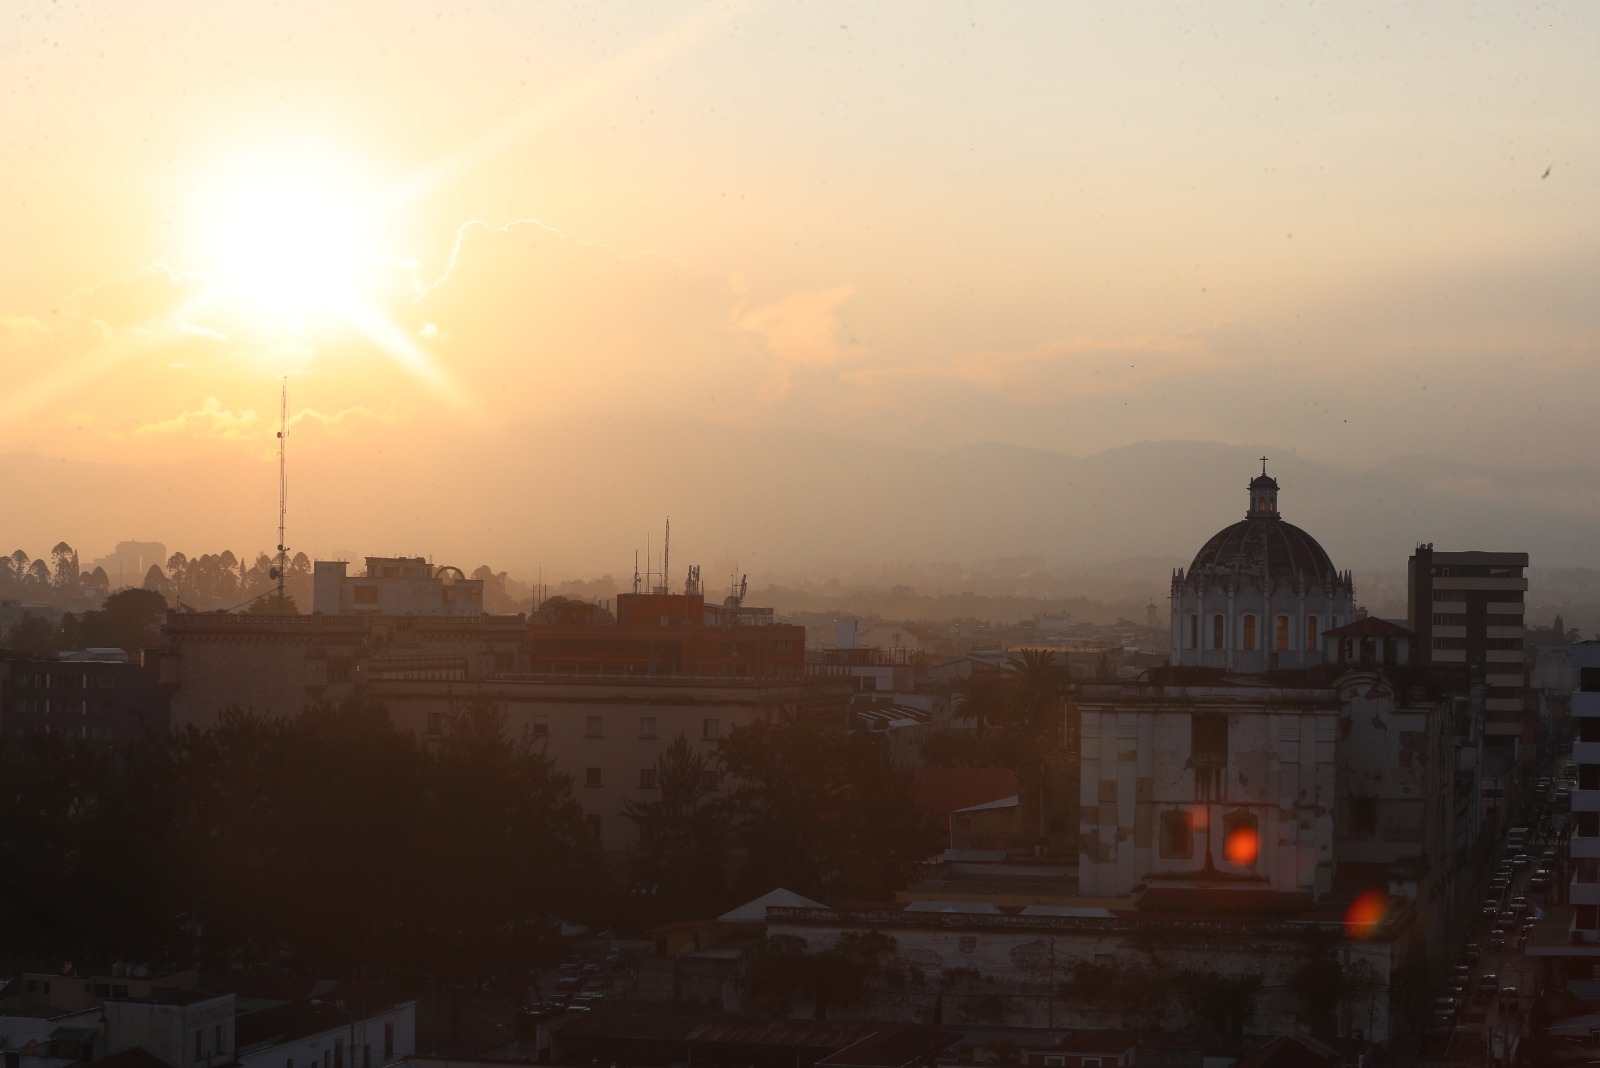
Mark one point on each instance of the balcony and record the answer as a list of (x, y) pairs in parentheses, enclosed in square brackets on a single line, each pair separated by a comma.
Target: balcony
[(1586, 752), (1586, 800), (1583, 893), (1582, 848), (1586, 704)]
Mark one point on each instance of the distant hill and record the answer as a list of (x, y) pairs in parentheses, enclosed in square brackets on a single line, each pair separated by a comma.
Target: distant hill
[(580, 497)]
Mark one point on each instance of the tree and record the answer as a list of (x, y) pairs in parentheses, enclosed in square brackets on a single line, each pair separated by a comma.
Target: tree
[(67, 577), (33, 635), (129, 619), (683, 833), (156, 579), (821, 811), (984, 697), (268, 604), (782, 970)]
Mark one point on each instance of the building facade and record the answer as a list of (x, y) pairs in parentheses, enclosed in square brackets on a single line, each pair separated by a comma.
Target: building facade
[(1466, 609)]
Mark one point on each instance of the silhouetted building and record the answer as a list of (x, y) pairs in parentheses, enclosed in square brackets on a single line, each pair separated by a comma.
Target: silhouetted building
[(1466, 609), (395, 586), (101, 695)]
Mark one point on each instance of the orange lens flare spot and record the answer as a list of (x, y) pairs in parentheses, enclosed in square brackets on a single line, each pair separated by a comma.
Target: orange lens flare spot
[(1365, 913), (1242, 846)]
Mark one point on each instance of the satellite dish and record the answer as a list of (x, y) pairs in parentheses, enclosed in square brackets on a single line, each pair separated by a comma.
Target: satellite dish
[(274, 573)]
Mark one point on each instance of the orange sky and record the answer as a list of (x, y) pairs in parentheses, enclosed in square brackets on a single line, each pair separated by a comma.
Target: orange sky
[(1325, 228)]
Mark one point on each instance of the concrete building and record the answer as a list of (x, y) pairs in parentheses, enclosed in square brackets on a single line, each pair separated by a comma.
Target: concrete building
[(607, 732), (1466, 609), (108, 700), (277, 665), (1259, 594), (395, 586), (184, 1027), (1194, 778)]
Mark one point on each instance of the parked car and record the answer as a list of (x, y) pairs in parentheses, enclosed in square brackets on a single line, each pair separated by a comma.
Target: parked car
[(1520, 862), (1472, 952), (1450, 1005), (1461, 974), (1507, 995), (1443, 1025), (1562, 795), (1488, 985), (1539, 880), (1497, 939), (1490, 908)]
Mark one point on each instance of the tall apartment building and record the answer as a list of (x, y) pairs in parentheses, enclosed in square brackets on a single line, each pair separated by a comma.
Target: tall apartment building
[(1466, 611)]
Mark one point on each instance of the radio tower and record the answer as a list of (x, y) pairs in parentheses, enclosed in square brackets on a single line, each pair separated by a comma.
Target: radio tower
[(283, 489)]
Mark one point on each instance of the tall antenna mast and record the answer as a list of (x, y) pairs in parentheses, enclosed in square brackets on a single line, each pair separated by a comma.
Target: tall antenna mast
[(283, 488), (666, 555)]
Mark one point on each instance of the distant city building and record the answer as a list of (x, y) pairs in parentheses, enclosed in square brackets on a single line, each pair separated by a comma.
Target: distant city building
[(1466, 609), (1259, 594), (396, 586)]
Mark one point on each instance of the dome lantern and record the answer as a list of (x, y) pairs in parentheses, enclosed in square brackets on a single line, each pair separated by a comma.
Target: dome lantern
[(1263, 495)]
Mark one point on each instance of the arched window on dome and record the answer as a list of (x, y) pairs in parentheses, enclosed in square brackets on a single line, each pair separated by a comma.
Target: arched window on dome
[(1249, 636), (1311, 634), (1281, 637), (1217, 627), (1194, 630)]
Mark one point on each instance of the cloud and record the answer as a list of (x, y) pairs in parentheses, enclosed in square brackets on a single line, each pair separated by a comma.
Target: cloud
[(803, 328), (211, 419), (150, 298)]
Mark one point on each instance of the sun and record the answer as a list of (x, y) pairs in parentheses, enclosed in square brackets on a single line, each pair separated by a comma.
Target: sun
[(283, 237)]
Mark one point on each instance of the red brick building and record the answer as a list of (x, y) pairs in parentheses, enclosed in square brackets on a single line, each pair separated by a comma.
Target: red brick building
[(669, 634)]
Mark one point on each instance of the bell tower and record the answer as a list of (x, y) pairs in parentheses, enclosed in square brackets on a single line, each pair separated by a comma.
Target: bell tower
[(1263, 495)]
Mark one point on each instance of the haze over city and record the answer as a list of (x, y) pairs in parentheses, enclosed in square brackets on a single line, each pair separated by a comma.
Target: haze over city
[(787, 271)]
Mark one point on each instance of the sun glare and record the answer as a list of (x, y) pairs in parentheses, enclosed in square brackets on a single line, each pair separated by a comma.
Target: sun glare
[(283, 240)]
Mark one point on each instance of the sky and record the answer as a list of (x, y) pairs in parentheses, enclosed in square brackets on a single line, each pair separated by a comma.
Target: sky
[(1355, 232)]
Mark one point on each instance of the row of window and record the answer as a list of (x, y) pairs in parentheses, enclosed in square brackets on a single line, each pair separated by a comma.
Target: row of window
[(1281, 638), (47, 706), (593, 726), (45, 680), (1478, 595), (595, 777), (1178, 834), (1488, 643), (1459, 619)]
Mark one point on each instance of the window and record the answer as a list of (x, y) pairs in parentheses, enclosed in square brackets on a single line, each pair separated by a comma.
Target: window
[(1588, 824), (1589, 679), (1249, 642), (1216, 631), (1281, 642), (366, 595), (1208, 738), (710, 728), (647, 778), (436, 722), (1589, 776), (594, 827), (199, 1044), (338, 1055), (540, 725), (1311, 634), (388, 1039), (1177, 835), (647, 726), (1194, 630), (594, 727), (1588, 729), (1241, 840), (1363, 815), (591, 777), (219, 1038), (366, 1056), (968, 944)]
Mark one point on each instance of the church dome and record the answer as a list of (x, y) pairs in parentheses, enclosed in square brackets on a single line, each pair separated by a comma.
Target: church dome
[(1267, 549), (1263, 550)]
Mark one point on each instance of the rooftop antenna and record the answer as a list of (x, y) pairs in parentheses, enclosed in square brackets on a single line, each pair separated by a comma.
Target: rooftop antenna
[(666, 556), (283, 489), (636, 571)]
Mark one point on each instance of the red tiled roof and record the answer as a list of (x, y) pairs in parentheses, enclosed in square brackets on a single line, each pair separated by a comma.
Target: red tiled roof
[(937, 792), (1285, 1051), (1371, 627)]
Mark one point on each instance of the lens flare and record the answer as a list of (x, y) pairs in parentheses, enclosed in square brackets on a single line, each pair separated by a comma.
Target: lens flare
[(1365, 913), (1242, 846)]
